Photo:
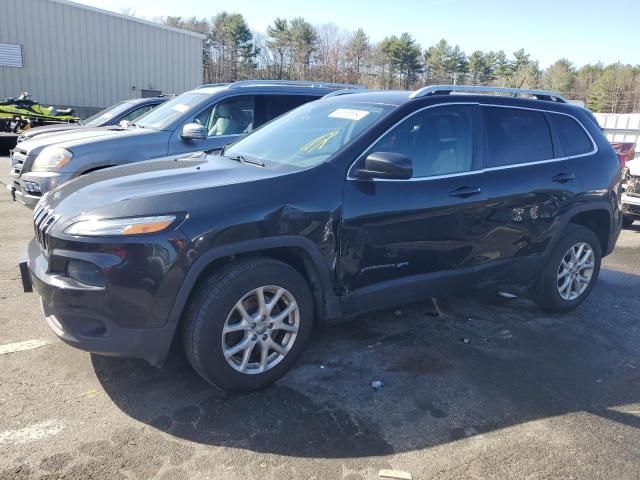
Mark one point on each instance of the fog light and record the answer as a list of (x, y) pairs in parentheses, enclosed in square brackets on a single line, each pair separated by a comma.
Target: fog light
[(31, 187), (85, 272)]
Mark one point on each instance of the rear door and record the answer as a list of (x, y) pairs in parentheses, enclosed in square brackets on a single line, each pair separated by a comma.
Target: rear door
[(530, 181), (399, 235)]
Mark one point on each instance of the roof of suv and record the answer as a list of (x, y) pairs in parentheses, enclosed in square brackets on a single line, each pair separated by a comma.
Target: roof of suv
[(276, 86), (160, 99), (517, 97)]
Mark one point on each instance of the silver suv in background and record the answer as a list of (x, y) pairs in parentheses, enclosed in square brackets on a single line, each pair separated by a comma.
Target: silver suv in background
[(128, 110), (206, 118)]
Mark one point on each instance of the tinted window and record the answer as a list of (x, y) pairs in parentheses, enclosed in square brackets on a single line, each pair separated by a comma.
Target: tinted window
[(516, 136), (276, 105), (572, 136), (437, 140), (232, 116)]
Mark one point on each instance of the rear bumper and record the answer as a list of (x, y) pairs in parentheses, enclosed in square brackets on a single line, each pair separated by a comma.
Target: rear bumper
[(79, 315)]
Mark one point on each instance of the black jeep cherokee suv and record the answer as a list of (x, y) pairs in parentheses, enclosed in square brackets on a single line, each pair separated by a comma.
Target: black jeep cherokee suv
[(351, 203)]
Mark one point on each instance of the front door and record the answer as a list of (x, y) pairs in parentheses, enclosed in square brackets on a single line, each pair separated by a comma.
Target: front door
[(400, 236)]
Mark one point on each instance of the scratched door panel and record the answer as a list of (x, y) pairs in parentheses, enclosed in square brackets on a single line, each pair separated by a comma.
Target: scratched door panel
[(524, 209), (401, 229)]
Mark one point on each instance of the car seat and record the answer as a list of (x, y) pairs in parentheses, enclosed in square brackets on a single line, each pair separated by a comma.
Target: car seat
[(225, 121)]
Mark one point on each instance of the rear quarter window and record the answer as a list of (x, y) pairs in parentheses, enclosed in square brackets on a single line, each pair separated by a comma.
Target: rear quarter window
[(572, 136), (515, 136)]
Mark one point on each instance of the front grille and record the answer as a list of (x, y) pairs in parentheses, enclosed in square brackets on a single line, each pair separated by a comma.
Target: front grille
[(17, 162), (43, 220)]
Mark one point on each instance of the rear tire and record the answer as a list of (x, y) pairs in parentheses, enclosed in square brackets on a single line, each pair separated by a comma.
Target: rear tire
[(570, 272), (627, 221), (246, 308)]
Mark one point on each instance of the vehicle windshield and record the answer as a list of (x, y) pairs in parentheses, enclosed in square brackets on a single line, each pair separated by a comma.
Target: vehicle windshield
[(310, 134), (103, 116), (164, 115)]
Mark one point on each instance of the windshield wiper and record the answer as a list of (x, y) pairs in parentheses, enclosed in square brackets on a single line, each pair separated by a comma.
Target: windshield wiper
[(242, 159)]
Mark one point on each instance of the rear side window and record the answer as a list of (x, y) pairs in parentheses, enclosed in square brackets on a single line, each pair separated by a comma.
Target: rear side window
[(572, 136), (276, 105), (516, 136)]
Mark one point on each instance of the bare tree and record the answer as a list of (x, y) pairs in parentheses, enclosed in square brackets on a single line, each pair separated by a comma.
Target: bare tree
[(358, 50), (330, 52)]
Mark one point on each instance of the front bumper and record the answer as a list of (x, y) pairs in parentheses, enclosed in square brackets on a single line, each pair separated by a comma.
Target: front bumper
[(631, 204), (29, 188), (81, 315)]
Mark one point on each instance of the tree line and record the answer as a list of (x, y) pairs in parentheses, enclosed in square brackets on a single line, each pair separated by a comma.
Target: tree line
[(294, 49)]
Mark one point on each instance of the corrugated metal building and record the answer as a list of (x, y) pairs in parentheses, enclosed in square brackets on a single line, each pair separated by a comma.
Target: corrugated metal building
[(621, 127), (67, 54)]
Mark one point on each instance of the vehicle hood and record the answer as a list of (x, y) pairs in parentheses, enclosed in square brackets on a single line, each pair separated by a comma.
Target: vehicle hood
[(77, 137), (33, 132), (634, 167), (156, 186)]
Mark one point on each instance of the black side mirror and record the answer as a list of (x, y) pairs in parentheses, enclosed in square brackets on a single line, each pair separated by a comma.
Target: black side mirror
[(388, 165)]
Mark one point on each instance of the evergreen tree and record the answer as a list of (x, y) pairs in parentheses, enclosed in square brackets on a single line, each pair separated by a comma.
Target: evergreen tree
[(280, 42), (560, 76)]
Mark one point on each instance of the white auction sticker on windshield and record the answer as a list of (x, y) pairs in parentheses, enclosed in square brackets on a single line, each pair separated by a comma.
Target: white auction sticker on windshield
[(181, 107), (349, 114)]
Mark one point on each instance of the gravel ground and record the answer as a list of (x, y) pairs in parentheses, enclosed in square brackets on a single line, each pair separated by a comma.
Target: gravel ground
[(530, 395)]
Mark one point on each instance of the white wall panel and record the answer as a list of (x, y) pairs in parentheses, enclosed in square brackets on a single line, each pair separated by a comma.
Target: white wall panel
[(84, 57)]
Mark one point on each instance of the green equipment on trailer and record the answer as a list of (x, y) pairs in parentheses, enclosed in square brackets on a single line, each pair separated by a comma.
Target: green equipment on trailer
[(22, 113)]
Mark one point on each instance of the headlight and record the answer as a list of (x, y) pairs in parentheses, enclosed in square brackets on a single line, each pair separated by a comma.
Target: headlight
[(51, 158), (120, 226)]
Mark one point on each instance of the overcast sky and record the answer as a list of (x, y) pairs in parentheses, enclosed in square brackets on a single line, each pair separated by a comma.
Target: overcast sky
[(586, 31)]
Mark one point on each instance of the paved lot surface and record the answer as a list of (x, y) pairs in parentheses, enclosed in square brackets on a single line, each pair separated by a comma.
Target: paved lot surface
[(530, 396)]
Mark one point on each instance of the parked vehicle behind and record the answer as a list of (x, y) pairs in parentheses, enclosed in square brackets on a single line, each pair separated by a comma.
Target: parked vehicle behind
[(127, 110), (202, 119), (631, 195), (356, 202)]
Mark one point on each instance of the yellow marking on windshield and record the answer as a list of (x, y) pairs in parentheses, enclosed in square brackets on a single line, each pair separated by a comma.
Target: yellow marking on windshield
[(320, 142)]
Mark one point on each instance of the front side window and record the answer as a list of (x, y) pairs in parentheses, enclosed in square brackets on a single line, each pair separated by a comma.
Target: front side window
[(516, 136), (233, 116), (572, 136), (310, 134), (438, 140)]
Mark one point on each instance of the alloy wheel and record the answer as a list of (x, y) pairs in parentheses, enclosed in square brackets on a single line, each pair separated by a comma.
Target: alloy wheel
[(261, 329), (575, 271)]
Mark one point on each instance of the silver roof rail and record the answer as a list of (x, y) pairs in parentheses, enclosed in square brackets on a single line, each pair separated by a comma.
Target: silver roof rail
[(208, 85), (447, 89), (344, 91), (292, 83)]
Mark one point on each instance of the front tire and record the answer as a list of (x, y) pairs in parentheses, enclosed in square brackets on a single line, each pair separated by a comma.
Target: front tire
[(570, 272), (247, 324), (627, 221)]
